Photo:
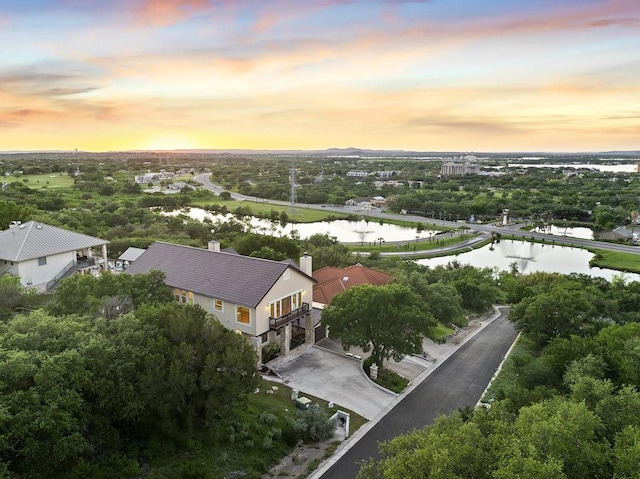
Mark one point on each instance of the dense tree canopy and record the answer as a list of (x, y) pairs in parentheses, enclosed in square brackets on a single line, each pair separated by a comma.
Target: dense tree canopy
[(75, 388)]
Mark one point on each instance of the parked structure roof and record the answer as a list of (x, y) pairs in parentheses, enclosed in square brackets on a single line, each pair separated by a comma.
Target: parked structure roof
[(231, 277), (131, 254), (331, 281), (34, 240)]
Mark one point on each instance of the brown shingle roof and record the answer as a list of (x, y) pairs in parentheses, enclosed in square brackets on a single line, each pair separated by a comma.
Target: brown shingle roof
[(231, 277), (332, 281)]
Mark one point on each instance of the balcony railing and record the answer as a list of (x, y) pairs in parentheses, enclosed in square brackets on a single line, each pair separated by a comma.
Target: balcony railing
[(86, 262), (277, 323)]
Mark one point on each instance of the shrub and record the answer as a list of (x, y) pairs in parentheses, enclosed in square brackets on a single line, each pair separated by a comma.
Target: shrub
[(312, 425)]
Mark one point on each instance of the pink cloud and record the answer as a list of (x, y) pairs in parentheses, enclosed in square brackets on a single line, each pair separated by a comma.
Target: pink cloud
[(166, 12)]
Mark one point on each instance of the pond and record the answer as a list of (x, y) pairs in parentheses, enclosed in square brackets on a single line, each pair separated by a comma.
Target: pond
[(363, 231), (530, 257), (578, 232)]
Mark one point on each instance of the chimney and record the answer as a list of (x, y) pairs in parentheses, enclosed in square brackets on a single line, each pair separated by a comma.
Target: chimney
[(214, 245), (305, 264)]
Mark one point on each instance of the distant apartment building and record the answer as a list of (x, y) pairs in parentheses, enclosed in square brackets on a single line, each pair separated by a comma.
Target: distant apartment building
[(357, 174), (462, 165)]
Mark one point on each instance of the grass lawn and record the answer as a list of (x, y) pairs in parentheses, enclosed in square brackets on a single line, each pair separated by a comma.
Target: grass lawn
[(300, 214), (425, 246), (48, 180), (616, 260), (441, 332)]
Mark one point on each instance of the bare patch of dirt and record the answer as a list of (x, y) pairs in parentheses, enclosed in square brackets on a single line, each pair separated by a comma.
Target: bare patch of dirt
[(303, 460)]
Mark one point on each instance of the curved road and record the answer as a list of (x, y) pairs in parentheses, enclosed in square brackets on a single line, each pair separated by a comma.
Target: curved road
[(203, 178), (458, 382)]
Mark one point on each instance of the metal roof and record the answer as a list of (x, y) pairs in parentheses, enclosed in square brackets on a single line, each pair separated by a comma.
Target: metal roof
[(131, 254), (231, 277), (34, 240)]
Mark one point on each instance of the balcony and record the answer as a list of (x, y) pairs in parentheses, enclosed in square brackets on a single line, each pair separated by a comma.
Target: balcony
[(277, 323), (85, 262)]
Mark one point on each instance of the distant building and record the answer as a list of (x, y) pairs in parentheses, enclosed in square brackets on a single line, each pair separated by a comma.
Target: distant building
[(357, 174), (367, 201), (385, 174), (462, 165)]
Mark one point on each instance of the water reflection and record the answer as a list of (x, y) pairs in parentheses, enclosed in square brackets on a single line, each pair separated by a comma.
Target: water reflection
[(530, 257), (363, 232), (584, 233)]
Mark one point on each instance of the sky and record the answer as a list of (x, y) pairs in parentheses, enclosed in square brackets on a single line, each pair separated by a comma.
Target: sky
[(422, 75)]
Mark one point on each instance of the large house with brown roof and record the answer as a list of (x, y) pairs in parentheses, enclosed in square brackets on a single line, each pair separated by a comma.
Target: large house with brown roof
[(264, 300), (40, 254), (331, 281)]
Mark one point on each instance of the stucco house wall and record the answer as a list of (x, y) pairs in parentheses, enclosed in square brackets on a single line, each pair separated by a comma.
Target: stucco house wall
[(33, 274)]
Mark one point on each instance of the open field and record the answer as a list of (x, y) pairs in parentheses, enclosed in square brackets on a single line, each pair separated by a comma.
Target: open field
[(48, 180), (300, 214)]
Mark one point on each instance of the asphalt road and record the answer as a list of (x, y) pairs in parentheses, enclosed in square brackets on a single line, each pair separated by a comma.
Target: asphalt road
[(456, 383)]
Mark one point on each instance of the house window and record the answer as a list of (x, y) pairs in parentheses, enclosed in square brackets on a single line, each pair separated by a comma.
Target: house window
[(42, 261), (183, 296), (217, 304), (285, 305), (243, 315)]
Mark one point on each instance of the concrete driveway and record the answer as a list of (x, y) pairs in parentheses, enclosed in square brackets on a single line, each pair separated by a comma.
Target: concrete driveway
[(335, 377)]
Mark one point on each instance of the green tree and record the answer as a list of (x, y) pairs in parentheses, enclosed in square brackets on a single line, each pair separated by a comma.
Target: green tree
[(195, 371), (566, 309), (390, 321), (10, 211)]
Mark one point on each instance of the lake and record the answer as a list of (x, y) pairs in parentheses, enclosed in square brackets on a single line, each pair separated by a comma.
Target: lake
[(363, 232), (530, 257), (625, 168)]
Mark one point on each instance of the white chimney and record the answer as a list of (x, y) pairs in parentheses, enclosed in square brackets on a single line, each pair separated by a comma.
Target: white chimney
[(305, 264), (213, 245)]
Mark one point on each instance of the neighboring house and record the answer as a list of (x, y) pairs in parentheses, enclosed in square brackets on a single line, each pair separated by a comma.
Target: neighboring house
[(127, 258), (40, 254), (367, 201), (266, 301), (332, 281), (357, 174)]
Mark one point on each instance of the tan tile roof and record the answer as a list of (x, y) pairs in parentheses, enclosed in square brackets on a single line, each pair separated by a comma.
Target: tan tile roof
[(331, 281)]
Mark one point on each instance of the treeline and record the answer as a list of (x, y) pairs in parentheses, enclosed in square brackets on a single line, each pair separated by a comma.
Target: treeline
[(566, 404)]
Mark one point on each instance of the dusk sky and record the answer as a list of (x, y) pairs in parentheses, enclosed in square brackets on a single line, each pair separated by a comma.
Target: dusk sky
[(432, 75)]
